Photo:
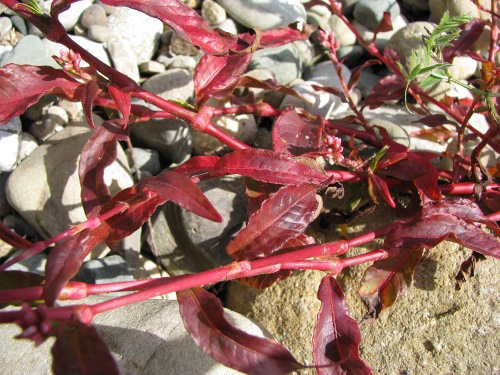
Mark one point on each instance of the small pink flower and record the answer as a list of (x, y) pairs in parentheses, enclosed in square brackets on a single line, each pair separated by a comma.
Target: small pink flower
[(334, 148)]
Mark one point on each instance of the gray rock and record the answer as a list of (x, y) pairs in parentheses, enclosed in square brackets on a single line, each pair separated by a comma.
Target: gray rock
[(189, 243), (93, 15), (52, 122), (124, 60), (170, 137), (126, 22), (382, 38), (97, 49), (348, 6), (317, 102), (283, 61), (10, 144), (264, 14), (212, 12), (229, 26), (145, 160), (173, 84), (455, 8), (28, 145), (324, 73), (99, 33), (351, 54), (19, 24), (314, 18), (5, 26), (343, 34), (151, 67), (29, 50), (416, 6), (4, 50), (4, 205), (110, 269), (37, 110), (145, 338), (45, 187), (69, 17), (179, 46), (180, 62), (34, 264), (371, 12), (20, 226)]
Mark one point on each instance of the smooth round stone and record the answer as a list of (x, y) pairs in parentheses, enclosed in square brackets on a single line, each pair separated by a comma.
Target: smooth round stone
[(28, 145), (314, 18), (99, 33), (182, 62), (123, 57), (69, 18), (29, 50), (151, 67), (351, 54), (172, 84), (110, 269), (212, 12), (145, 160), (343, 34), (229, 26), (264, 14), (324, 73), (283, 61), (10, 144), (19, 24), (370, 12), (5, 26), (93, 15), (179, 46)]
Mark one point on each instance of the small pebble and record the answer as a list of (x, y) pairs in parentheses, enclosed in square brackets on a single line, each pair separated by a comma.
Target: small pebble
[(99, 33), (93, 15), (151, 67)]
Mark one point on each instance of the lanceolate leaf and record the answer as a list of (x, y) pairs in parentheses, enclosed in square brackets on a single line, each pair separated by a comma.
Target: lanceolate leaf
[(180, 190), (217, 76), (99, 153), (387, 279), (265, 281), (389, 88), (122, 101), (79, 349), (88, 92), (185, 22), (268, 84), (336, 336), (65, 260), (428, 231), (23, 85), (295, 135), (282, 217), (204, 319), (284, 35), (197, 165), (471, 31), (267, 166)]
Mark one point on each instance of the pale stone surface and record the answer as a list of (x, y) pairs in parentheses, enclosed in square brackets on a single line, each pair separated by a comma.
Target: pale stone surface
[(145, 338), (172, 84), (264, 14), (10, 144), (97, 49), (433, 329), (124, 59), (29, 50)]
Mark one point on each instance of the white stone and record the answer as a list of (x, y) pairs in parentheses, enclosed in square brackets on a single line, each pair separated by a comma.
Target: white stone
[(212, 12), (97, 49), (343, 34), (28, 145), (10, 144), (69, 17), (124, 60)]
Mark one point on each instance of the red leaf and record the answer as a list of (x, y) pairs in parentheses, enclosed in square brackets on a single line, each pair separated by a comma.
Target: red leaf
[(438, 134), (389, 88), (197, 165), (267, 166), (204, 319), (384, 25), (387, 279), (180, 190), (332, 90), (434, 120), (471, 31), (122, 101), (65, 260), (217, 76), (185, 22), (12, 238), (277, 37), (429, 230), (257, 192), (268, 84), (282, 217), (79, 349), (23, 85), (265, 281), (295, 135), (379, 186), (99, 152), (336, 336), (88, 92)]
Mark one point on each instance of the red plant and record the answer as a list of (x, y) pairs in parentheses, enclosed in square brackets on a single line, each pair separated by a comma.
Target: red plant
[(284, 186)]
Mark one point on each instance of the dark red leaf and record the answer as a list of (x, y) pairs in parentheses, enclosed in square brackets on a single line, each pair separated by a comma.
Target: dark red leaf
[(197, 165), (429, 230), (79, 349), (180, 190), (438, 134), (471, 31), (434, 120), (384, 25), (88, 92), (217, 76), (204, 319), (257, 192), (332, 90), (99, 152), (23, 85), (122, 101), (388, 279), (185, 22), (377, 185), (277, 37), (282, 217), (65, 260), (356, 72), (268, 166), (336, 336), (265, 281), (12, 238), (268, 84), (389, 88), (295, 135)]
